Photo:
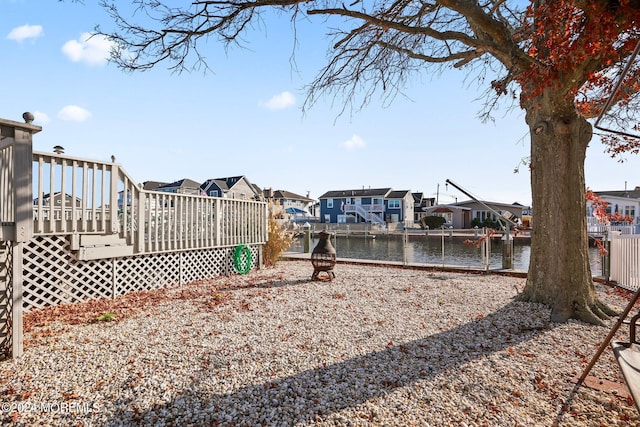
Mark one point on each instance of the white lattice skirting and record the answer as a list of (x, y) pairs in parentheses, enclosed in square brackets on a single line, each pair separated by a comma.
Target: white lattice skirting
[(53, 276), (6, 300)]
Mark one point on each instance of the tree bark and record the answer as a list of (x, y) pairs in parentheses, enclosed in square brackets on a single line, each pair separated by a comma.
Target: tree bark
[(559, 270)]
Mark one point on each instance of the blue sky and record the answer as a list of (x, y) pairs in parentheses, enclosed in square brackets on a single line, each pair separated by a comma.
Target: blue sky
[(245, 118)]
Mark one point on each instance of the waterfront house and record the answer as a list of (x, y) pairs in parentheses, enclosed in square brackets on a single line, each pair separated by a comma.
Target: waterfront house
[(371, 205), (291, 205), (365, 205), (399, 205), (56, 200), (461, 215), (454, 216), (420, 205), (183, 186), (235, 187), (622, 202), (59, 205)]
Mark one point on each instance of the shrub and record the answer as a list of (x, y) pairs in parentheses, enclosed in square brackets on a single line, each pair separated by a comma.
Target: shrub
[(490, 223), (432, 222), (278, 241)]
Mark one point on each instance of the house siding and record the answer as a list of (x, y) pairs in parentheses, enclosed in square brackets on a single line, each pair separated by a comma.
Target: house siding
[(404, 212)]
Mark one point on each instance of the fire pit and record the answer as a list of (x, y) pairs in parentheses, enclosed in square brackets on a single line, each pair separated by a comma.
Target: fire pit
[(323, 257)]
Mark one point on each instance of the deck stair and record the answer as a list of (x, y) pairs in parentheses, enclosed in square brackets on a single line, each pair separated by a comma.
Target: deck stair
[(87, 247), (365, 214)]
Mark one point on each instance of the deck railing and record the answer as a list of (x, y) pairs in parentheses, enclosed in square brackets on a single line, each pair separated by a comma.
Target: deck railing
[(594, 226), (353, 207), (625, 261), (80, 196)]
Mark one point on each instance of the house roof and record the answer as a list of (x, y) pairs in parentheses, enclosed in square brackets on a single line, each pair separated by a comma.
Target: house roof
[(257, 189), (283, 194), (224, 183), (397, 194), (370, 192), (152, 185), (182, 183), (445, 208), (631, 194), (486, 202), (417, 197), (57, 194)]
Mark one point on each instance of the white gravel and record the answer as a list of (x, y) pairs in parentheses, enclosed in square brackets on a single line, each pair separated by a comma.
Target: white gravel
[(376, 346)]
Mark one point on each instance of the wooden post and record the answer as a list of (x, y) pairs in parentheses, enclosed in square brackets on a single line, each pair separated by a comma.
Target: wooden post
[(23, 158), (265, 223), (141, 229), (113, 202), (216, 221), (23, 215)]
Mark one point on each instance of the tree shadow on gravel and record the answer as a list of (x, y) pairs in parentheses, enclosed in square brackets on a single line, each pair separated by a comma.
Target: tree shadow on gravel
[(317, 393)]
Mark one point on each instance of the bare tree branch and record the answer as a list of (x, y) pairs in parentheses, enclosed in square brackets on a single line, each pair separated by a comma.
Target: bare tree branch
[(380, 46)]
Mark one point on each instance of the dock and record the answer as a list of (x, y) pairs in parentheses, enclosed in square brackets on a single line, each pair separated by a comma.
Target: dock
[(297, 256), (467, 234)]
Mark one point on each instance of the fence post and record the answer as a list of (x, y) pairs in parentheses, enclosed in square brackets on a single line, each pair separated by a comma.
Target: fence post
[(217, 221), (142, 226), (23, 160), (113, 201), (606, 257), (21, 184)]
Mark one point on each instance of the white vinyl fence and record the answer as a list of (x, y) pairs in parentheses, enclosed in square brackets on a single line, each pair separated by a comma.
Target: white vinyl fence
[(625, 261)]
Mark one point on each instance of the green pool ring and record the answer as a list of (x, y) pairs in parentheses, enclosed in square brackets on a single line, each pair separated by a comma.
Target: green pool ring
[(238, 253)]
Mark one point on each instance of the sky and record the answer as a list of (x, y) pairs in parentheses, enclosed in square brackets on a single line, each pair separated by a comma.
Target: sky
[(244, 117)]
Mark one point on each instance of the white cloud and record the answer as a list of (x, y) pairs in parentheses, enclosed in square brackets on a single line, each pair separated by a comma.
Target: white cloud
[(40, 117), (354, 143), (25, 32), (73, 113), (280, 101), (90, 49)]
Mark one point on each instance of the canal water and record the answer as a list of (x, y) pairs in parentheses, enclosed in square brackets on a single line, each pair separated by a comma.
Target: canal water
[(432, 250)]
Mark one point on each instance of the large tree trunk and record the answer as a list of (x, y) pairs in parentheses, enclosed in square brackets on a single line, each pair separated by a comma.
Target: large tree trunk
[(559, 269)]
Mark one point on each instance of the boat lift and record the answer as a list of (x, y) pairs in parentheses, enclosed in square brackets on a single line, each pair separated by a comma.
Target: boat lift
[(505, 224)]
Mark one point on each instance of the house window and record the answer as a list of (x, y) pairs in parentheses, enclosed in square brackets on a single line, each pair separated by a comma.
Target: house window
[(482, 215), (243, 196), (329, 203), (378, 202), (213, 193), (630, 211), (394, 204)]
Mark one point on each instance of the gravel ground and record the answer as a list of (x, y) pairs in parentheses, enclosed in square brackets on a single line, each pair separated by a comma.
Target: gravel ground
[(377, 346)]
